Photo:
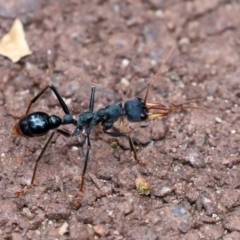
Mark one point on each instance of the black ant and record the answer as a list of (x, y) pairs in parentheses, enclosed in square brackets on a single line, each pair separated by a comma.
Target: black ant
[(135, 110)]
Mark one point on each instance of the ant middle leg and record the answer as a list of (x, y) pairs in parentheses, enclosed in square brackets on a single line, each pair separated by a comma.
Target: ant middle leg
[(79, 198), (91, 107)]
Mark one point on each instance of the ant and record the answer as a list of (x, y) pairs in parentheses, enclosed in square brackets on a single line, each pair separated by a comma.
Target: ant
[(135, 110)]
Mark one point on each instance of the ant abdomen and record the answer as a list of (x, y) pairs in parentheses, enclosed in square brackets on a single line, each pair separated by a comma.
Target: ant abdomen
[(36, 124)]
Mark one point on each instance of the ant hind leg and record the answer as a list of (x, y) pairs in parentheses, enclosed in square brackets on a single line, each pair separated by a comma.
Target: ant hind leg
[(64, 133)]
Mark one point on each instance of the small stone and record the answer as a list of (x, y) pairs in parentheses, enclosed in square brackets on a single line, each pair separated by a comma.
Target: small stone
[(101, 230), (63, 229), (114, 145), (159, 13), (171, 26), (218, 120), (125, 62), (26, 212), (165, 190), (184, 44), (57, 211), (125, 208), (125, 82), (184, 41), (143, 186)]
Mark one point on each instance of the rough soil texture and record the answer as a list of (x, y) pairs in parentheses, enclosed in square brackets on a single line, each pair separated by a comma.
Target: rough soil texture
[(192, 156)]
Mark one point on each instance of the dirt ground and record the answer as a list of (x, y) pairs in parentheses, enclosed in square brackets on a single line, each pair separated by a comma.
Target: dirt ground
[(192, 156)]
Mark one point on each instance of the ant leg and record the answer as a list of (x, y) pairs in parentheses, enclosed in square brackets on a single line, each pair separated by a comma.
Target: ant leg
[(91, 106), (39, 157), (18, 193), (91, 103), (62, 103), (118, 134), (32, 102), (35, 99), (79, 198), (64, 133)]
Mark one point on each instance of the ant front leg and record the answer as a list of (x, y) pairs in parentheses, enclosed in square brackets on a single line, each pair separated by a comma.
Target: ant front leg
[(133, 149)]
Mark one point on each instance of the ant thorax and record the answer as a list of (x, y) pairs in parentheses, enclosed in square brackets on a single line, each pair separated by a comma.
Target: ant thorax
[(110, 114)]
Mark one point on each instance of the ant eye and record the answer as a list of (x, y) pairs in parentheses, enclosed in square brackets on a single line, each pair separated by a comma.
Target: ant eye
[(143, 116)]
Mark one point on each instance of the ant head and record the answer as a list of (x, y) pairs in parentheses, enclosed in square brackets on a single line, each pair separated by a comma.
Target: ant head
[(135, 110)]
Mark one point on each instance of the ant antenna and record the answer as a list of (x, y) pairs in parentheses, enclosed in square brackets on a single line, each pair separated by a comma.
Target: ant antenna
[(158, 72)]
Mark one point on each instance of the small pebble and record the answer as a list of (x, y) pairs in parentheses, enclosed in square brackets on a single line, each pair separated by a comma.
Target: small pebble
[(125, 62), (63, 229), (101, 230), (218, 120), (125, 82), (74, 148), (114, 145), (143, 186), (184, 41)]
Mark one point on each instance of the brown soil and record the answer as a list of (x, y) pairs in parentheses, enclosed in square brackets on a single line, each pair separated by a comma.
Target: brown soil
[(192, 156)]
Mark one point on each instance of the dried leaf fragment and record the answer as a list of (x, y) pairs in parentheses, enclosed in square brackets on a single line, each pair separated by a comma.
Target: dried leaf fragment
[(14, 45)]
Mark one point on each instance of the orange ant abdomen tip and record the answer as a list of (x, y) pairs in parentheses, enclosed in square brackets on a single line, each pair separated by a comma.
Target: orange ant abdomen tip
[(16, 130)]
